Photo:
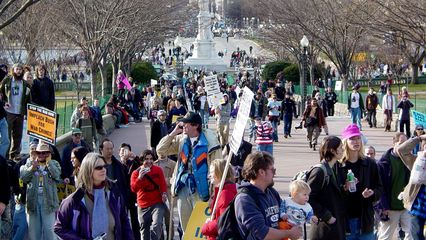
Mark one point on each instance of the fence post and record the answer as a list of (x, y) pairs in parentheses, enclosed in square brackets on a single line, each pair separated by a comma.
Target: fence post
[(65, 116)]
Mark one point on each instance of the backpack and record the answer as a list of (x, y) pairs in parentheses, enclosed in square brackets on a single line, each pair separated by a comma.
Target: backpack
[(227, 224), (304, 175)]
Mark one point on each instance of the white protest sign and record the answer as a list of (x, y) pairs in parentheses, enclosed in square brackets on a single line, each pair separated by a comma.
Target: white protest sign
[(338, 86), (214, 95), (153, 82), (242, 117), (237, 91)]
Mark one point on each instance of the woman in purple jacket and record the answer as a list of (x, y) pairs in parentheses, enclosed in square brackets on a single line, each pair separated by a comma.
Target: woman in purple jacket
[(96, 210)]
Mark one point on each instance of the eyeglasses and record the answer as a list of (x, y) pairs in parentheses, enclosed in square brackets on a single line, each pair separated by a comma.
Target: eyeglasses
[(101, 167), (419, 129)]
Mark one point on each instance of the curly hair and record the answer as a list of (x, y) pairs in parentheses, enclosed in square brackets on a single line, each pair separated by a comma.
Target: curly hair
[(254, 162)]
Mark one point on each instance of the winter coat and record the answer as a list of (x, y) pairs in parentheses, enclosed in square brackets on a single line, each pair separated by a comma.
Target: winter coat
[(385, 171), (405, 106), (73, 220), (369, 178), (318, 113), (327, 201), (149, 194), (361, 102), (66, 164), (156, 135), (207, 141), (371, 102), (5, 91), (51, 176), (404, 151), (228, 193), (43, 93)]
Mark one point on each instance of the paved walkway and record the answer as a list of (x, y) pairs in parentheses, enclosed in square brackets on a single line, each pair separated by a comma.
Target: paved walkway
[(291, 155)]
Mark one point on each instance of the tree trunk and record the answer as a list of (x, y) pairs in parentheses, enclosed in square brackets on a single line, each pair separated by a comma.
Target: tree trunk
[(93, 69), (415, 75), (103, 81)]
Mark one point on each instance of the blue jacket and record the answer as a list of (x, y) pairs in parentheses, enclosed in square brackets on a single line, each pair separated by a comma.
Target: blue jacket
[(385, 172), (73, 219), (199, 179), (253, 220)]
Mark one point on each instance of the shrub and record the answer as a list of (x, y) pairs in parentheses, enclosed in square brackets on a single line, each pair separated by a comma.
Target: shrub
[(143, 72)]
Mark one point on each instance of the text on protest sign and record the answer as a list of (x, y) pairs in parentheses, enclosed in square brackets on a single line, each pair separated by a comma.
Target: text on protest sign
[(242, 117), (41, 123), (199, 215), (214, 95)]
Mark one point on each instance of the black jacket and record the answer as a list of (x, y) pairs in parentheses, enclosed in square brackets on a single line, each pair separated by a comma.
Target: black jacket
[(405, 109), (327, 201), (4, 181), (43, 93), (369, 178), (156, 135), (66, 165), (288, 106)]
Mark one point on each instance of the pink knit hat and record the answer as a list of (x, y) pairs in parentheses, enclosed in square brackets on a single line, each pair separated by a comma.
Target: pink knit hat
[(351, 130)]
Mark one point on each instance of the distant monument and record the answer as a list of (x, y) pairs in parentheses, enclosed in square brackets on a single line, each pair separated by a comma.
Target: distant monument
[(205, 55)]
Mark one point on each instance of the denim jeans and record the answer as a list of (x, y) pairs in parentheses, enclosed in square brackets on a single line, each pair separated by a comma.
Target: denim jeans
[(204, 117), (355, 228), (20, 226), (417, 227), (151, 221), (40, 223), (275, 133), (287, 123), (265, 148), (356, 116), (4, 137)]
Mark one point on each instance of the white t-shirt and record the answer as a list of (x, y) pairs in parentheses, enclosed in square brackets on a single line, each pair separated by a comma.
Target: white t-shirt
[(355, 100), (296, 214)]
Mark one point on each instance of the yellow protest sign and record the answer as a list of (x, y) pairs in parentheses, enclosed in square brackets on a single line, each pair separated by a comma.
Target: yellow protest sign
[(359, 57), (199, 215), (41, 123)]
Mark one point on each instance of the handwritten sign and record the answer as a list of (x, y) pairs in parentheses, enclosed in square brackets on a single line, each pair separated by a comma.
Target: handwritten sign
[(214, 95), (199, 215), (242, 117), (419, 118), (41, 123)]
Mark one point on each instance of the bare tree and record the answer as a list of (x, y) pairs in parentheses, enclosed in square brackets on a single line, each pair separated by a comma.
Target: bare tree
[(10, 10)]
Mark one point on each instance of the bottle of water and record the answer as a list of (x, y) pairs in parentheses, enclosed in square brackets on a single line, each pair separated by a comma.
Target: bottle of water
[(351, 179)]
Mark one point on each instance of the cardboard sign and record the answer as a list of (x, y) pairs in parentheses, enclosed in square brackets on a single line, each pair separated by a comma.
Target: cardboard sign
[(419, 118), (41, 123), (242, 117), (199, 215), (338, 86), (214, 95)]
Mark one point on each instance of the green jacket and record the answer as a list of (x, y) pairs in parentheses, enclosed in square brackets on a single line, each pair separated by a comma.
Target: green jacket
[(5, 88), (51, 177)]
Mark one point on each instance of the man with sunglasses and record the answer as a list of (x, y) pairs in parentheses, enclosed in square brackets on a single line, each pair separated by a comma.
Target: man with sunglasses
[(66, 164), (42, 174), (258, 216), (195, 148)]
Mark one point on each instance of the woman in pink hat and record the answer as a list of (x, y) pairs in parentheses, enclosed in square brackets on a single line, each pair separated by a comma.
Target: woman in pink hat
[(359, 202)]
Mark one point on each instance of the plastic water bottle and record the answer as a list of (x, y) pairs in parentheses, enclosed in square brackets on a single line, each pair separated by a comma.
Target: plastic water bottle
[(351, 179)]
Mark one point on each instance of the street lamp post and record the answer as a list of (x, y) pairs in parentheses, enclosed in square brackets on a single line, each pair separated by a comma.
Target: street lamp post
[(304, 43)]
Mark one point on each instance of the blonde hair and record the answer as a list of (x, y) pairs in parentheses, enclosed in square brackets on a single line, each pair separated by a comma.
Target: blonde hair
[(219, 167), (361, 154), (85, 174), (297, 186)]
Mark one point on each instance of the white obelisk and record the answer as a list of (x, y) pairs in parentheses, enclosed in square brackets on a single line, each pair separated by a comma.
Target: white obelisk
[(205, 55)]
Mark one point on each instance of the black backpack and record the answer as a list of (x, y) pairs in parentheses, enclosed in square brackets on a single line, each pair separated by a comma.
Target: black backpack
[(227, 223)]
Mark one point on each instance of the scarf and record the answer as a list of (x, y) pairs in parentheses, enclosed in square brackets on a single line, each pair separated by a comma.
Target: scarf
[(100, 213)]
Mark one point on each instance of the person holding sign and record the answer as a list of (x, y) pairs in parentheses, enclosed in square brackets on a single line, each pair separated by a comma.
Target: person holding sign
[(195, 148), (228, 193), (223, 115)]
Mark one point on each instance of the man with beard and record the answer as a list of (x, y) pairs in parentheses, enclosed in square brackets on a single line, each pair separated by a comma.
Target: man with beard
[(43, 90), (16, 94), (258, 217)]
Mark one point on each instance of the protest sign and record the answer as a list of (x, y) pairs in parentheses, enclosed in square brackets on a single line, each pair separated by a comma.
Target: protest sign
[(338, 86), (419, 118), (154, 82), (242, 117), (41, 123), (214, 95), (199, 215)]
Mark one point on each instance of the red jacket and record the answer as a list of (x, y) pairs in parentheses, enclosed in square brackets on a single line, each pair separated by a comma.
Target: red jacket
[(228, 193), (147, 193)]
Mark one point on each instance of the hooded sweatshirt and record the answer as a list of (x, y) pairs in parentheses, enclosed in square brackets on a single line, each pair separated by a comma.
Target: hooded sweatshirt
[(256, 220)]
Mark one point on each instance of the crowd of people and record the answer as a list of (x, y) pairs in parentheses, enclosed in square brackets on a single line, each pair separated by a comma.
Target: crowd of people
[(133, 196)]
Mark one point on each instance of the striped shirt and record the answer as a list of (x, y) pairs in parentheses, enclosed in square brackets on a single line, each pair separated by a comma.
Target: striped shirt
[(419, 206), (264, 133)]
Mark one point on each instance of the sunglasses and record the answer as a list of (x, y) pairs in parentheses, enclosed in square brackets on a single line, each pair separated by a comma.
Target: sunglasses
[(43, 153), (419, 129), (101, 167)]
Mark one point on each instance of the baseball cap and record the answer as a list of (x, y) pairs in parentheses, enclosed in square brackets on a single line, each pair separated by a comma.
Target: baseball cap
[(191, 117), (419, 127), (352, 130)]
